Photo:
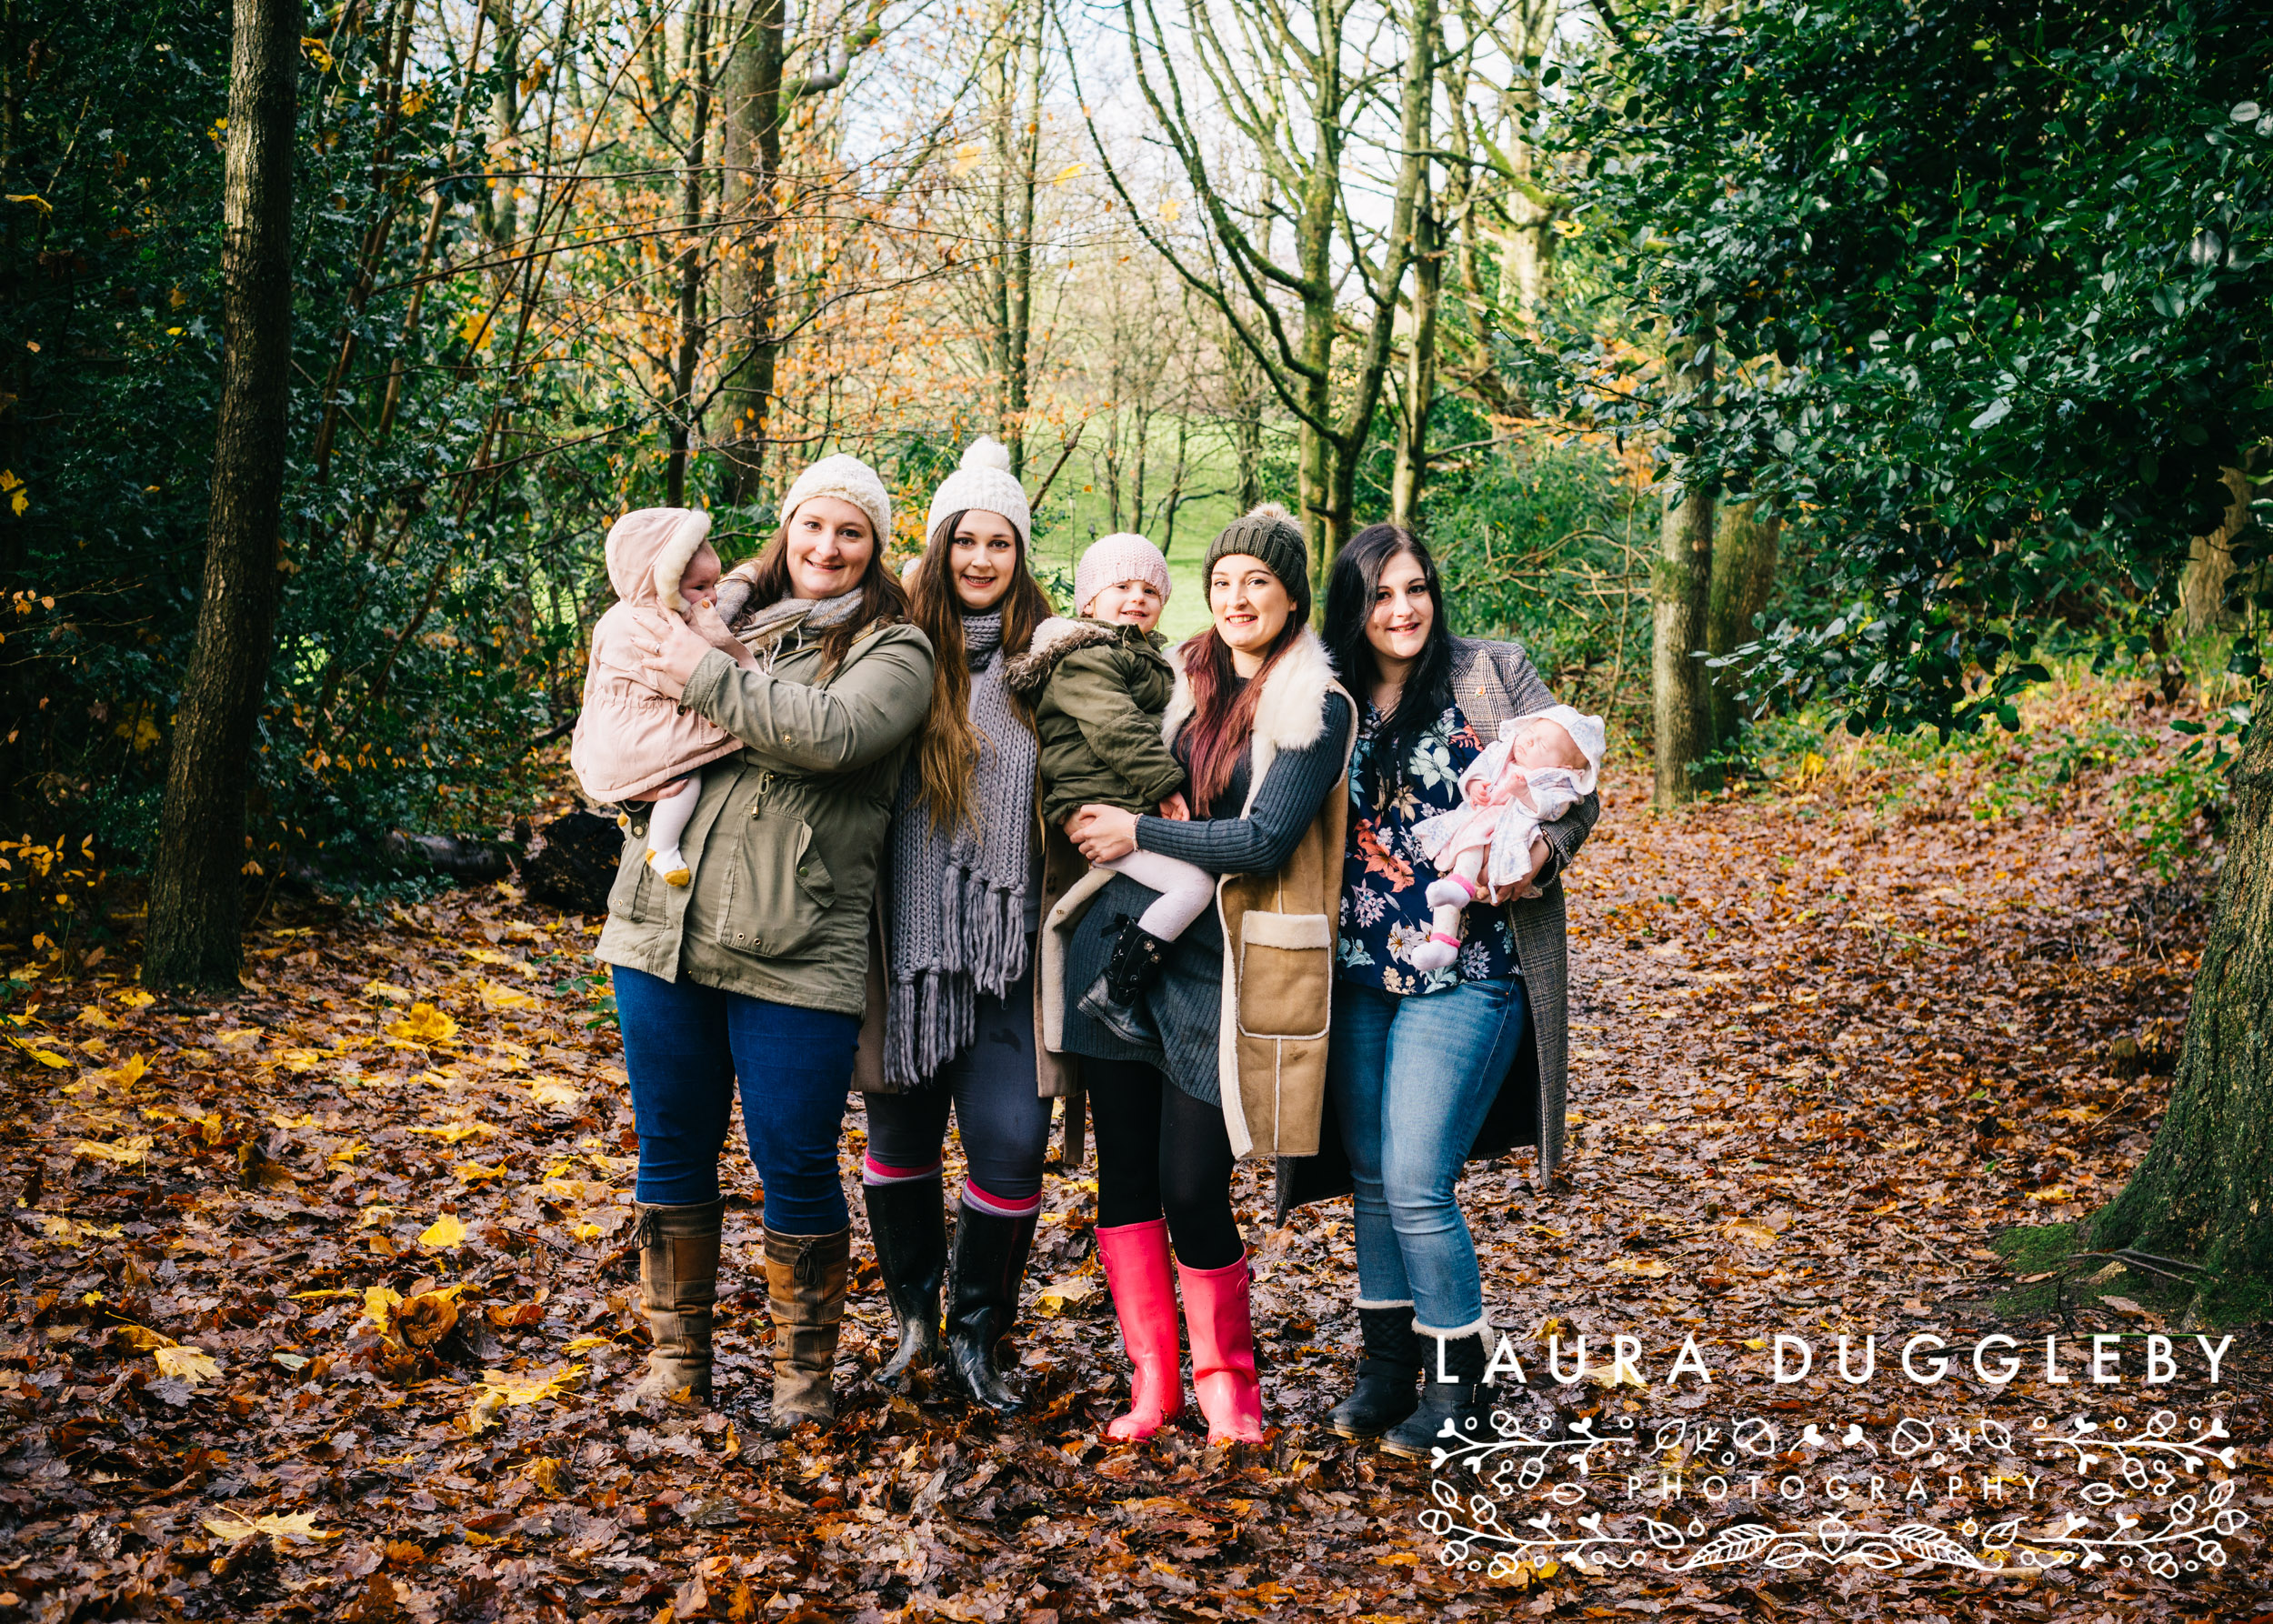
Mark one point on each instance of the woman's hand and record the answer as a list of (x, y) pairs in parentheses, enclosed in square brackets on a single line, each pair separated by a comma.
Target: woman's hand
[(675, 659), (1540, 853), (1103, 834), (1176, 808)]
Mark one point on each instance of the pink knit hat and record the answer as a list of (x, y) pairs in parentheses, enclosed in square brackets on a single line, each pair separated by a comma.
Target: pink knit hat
[(1112, 559)]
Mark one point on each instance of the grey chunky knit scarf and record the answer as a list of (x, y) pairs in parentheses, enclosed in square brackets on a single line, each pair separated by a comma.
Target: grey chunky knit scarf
[(958, 896), (765, 630)]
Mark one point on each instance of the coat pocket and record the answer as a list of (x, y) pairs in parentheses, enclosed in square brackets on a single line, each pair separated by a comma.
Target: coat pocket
[(778, 890), (1286, 974), (632, 896)]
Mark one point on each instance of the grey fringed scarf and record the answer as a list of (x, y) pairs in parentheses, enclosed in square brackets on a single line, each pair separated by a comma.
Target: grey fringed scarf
[(958, 896)]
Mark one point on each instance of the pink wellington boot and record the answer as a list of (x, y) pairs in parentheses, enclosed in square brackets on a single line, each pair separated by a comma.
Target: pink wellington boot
[(1144, 1298), (1223, 1352)]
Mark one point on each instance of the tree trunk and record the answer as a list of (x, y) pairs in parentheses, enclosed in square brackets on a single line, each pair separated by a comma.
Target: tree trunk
[(2205, 1190), (679, 429), (197, 886), (1420, 368), (2202, 588), (753, 153), (1744, 574)]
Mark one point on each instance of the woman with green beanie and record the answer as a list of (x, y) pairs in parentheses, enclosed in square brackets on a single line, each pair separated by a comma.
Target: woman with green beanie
[(1264, 732)]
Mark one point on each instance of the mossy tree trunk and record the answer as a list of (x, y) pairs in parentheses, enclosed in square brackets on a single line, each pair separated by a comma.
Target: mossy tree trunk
[(2205, 1190), (1744, 573)]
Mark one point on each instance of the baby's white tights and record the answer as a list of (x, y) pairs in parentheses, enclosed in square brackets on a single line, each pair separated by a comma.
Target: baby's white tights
[(673, 807)]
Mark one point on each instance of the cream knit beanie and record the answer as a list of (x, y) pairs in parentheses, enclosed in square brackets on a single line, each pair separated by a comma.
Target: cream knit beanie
[(1112, 559), (984, 481), (848, 480)]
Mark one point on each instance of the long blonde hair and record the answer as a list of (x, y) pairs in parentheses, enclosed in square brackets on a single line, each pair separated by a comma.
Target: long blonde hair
[(949, 753)]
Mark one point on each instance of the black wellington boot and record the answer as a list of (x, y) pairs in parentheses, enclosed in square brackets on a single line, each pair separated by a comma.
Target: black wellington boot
[(910, 1234), (1465, 1401), (1111, 1000), (1388, 1375), (990, 1253)]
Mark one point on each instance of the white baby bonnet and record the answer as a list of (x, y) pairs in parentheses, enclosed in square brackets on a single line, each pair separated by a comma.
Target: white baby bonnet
[(1587, 732)]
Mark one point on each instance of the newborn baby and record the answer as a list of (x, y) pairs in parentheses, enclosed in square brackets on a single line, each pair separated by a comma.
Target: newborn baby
[(1539, 767)]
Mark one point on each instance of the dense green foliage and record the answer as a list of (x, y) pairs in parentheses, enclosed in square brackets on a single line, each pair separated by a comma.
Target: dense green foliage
[(1988, 303), (430, 617)]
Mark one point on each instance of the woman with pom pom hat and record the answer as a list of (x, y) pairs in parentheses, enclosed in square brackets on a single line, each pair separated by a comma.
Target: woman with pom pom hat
[(955, 1032)]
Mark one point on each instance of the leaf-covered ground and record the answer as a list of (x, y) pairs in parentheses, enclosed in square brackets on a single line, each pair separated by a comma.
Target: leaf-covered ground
[(321, 1309)]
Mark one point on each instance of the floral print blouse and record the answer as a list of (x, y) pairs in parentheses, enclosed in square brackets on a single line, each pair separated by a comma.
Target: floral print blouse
[(1385, 876)]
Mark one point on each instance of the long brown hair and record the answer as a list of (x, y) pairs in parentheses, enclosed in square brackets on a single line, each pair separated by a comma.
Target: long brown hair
[(881, 599), (949, 753), (1222, 721)]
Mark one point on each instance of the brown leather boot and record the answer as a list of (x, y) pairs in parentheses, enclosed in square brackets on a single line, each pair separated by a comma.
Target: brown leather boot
[(806, 1276), (678, 1287)]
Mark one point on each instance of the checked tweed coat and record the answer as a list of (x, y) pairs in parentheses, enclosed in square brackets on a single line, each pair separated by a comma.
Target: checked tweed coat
[(1491, 683)]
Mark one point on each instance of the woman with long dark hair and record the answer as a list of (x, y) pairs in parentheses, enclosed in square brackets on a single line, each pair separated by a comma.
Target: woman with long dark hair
[(1263, 731), (756, 974), (961, 906), (1428, 1067)]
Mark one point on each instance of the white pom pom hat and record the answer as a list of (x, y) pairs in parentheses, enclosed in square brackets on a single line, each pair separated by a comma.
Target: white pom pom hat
[(984, 481)]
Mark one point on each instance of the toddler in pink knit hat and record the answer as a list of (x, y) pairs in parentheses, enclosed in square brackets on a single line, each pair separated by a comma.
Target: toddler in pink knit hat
[(1099, 685)]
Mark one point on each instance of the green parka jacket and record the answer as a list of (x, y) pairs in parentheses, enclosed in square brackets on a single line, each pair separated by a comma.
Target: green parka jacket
[(785, 838), (1098, 694)]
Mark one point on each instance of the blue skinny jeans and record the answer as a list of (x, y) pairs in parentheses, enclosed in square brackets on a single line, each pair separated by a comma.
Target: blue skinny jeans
[(685, 1046), (1412, 1079)]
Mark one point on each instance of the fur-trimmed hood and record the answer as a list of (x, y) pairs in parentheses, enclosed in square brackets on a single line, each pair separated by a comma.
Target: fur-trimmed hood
[(648, 551), (1026, 675), (1290, 714)]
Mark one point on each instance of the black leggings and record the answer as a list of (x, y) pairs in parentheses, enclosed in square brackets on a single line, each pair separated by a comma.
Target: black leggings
[(1161, 1151)]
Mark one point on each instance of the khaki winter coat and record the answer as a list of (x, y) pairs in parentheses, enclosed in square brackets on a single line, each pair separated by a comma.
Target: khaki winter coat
[(1098, 694), (1277, 928), (785, 840)]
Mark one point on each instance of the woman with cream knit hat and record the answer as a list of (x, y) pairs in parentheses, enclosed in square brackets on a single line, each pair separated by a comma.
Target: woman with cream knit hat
[(755, 975), (953, 1031)]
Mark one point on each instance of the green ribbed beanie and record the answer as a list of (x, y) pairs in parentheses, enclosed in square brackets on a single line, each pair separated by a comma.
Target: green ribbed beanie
[(1268, 533)]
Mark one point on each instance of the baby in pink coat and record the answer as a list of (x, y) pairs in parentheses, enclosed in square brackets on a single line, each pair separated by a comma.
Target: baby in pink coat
[(1540, 766), (632, 741)]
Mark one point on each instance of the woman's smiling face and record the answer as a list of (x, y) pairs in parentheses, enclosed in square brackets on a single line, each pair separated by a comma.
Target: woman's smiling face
[(981, 560), (1249, 603), (830, 543), (1403, 612)]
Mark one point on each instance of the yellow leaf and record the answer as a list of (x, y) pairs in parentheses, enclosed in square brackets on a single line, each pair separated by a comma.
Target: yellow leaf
[(1066, 1289), (451, 1133), (387, 990), (483, 1415), (300, 1060), (497, 995), (305, 1119), (324, 1293), (46, 1056), (585, 1344), (444, 1234), (244, 1037), (192, 1365), (300, 1524), (33, 198), (1647, 1268), (530, 1386), (423, 1024), (128, 1072), (586, 1232), (134, 997), (551, 1092), (140, 1337), (473, 1172), (1068, 172), (128, 1152), (1754, 1235), (94, 1015), (378, 1306), (490, 956), (348, 1152)]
